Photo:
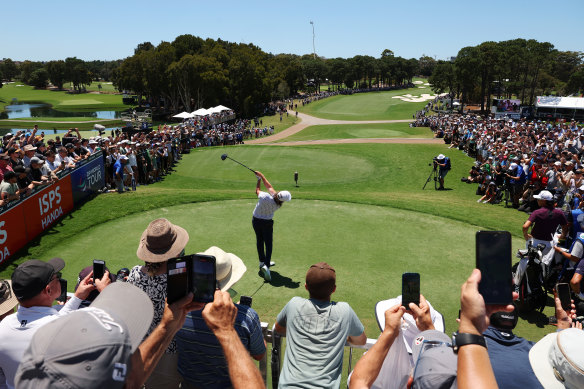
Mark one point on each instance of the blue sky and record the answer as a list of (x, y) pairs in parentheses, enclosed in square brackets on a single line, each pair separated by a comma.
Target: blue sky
[(107, 29)]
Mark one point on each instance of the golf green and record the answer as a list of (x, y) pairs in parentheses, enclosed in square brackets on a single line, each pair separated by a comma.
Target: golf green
[(370, 247)]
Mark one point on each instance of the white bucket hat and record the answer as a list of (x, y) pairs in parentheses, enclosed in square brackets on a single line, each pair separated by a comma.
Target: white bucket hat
[(557, 359), (230, 268)]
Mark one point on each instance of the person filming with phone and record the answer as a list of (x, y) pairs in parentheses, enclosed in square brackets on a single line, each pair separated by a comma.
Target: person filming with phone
[(201, 361)]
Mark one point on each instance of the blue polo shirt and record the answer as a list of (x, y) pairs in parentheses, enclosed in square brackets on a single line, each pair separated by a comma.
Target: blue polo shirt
[(200, 357)]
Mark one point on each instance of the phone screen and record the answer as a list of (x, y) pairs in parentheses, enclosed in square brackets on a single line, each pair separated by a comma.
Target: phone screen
[(177, 282), (410, 289), (493, 259), (564, 295), (204, 278), (98, 269), (63, 296)]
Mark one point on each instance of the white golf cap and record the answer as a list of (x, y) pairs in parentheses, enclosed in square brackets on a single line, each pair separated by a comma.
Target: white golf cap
[(284, 196), (544, 195), (557, 359)]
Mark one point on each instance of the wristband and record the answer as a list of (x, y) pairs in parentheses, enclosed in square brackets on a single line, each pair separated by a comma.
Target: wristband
[(462, 339)]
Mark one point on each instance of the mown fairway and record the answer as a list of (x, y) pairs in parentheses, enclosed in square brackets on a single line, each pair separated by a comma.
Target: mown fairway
[(349, 131), (360, 207), (367, 106)]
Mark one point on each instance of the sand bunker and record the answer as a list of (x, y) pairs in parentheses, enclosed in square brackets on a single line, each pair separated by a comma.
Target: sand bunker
[(418, 82), (415, 99)]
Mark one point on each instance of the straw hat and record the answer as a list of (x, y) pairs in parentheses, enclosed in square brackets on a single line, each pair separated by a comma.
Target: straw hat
[(161, 241), (7, 297), (229, 267)]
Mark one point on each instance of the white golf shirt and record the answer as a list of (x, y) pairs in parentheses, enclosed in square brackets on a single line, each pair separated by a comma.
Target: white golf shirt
[(16, 332), (265, 207)]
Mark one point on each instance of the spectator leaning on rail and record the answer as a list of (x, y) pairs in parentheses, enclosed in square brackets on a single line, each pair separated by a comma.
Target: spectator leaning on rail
[(36, 286), (201, 361), (316, 332)]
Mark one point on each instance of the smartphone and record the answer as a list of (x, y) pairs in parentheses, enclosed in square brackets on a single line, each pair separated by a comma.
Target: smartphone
[(493, 259), (191, 273), (63, 296), (245, 300), (177, 281), (565, 296), (204, 278), (98, 269), (410, 289)]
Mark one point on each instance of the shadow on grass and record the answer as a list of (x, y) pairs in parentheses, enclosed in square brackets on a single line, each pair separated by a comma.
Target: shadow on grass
[(279, 280), (535, 317)]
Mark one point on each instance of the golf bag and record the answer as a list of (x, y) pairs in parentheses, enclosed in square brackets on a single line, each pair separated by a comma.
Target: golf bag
[(531, 285)]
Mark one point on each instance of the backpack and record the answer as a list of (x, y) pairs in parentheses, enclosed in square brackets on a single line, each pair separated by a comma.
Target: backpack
[(532, 294), (447, 163)]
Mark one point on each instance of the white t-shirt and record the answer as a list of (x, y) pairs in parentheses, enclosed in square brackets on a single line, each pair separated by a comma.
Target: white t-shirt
[(265, 207), (17, 330)]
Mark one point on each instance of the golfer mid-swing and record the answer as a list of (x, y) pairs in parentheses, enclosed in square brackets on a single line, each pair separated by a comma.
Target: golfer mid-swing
[(262, 222)]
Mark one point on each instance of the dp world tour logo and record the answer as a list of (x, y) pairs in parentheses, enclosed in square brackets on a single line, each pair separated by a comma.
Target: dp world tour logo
[(90, 180)]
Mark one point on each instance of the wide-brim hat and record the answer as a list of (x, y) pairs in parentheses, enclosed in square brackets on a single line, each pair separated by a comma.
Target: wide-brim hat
[(7, 297), (161, 241), (229, 267), (557, 359)]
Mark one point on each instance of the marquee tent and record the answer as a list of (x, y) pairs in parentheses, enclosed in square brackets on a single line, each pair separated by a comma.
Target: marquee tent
[(183, 115)]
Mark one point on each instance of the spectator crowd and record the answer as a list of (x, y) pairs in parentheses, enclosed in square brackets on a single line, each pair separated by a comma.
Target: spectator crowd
[(516, 159), (119, 331)]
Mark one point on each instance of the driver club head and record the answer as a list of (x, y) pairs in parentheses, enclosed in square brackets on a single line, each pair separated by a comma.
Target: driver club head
[(224, 157)]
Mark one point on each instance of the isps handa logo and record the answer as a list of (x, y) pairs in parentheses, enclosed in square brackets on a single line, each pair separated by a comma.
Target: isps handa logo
[(49, 205), (4, 253)]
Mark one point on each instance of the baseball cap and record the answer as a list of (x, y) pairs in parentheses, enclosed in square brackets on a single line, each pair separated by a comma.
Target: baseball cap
[(7, 298), (321, 280), (32, 276), (36, 160), (91, 347), (436, 363), (123, 158), (557, 359), (284, 195), (544, 195)]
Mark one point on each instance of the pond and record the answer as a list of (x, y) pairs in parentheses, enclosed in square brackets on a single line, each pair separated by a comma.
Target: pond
[(34, 110)]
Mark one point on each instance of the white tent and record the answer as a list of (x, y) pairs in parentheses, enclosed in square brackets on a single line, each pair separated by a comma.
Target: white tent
[(222, 108), (560, 102), (201, 112), (183, 115), (214, 110)]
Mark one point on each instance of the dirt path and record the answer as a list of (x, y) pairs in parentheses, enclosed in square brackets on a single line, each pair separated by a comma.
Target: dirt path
[(307, 121)]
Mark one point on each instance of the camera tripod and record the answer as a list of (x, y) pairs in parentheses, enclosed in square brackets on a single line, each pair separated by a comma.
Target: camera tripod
[(434, 173)]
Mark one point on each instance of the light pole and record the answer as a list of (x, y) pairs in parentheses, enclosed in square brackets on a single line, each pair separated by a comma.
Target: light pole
[(313, 49)]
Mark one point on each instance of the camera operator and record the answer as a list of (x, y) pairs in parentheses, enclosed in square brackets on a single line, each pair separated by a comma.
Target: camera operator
[(443, 164), (517, 179)]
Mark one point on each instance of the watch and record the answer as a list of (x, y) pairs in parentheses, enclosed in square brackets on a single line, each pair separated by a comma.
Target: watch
[(462, 339)]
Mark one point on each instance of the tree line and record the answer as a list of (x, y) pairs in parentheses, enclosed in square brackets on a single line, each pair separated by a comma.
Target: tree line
[(518, 68), (189, 73), (74, 70)]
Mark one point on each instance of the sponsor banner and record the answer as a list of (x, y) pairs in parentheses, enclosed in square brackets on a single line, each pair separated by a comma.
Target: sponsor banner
[(12, 232), (45, 207), (88, 178)]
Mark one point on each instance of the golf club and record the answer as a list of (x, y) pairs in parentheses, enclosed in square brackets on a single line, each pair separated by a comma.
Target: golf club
[(225, 156)]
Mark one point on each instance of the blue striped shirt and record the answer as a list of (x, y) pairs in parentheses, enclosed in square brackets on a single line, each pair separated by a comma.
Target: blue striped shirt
[(200, 356)]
